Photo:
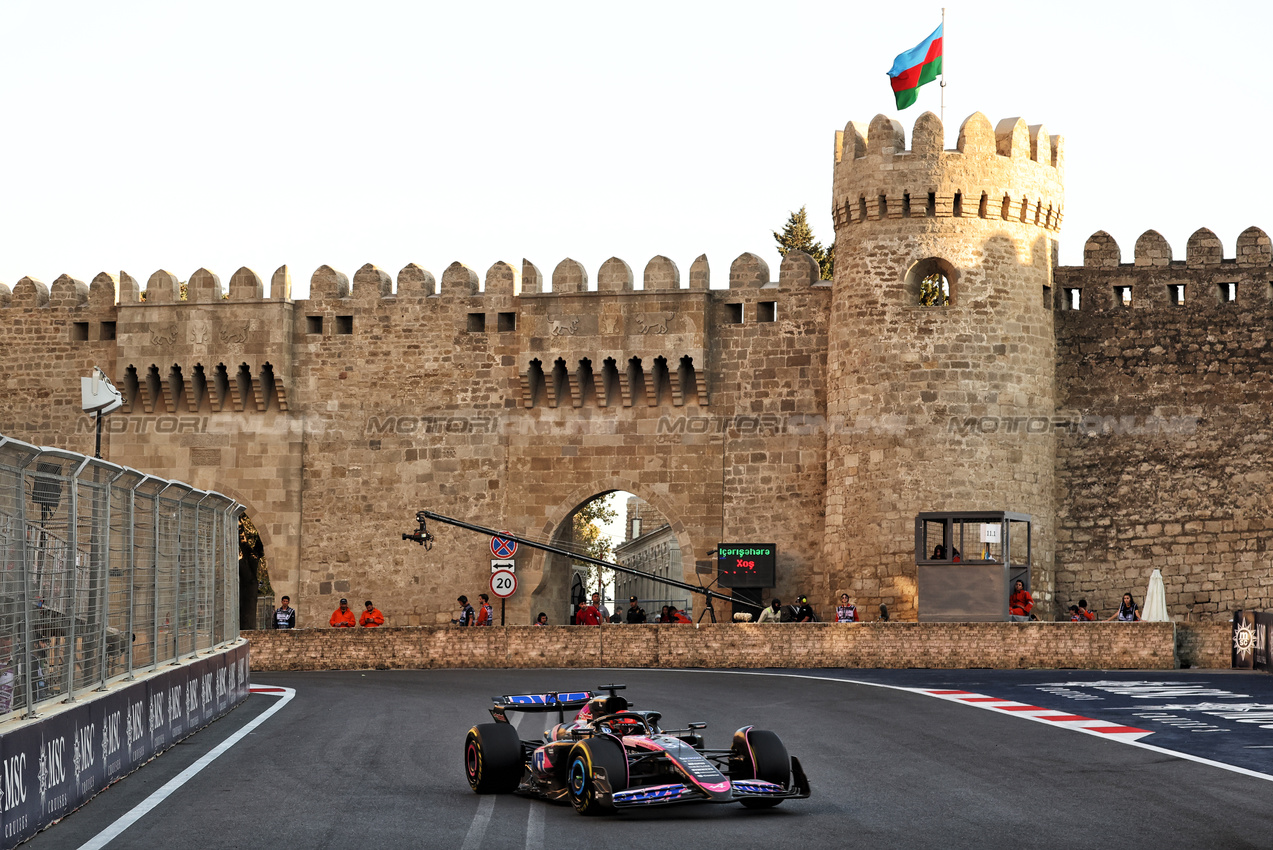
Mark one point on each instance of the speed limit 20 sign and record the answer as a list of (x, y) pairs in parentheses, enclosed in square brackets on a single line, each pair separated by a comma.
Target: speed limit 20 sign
[(503, 583)]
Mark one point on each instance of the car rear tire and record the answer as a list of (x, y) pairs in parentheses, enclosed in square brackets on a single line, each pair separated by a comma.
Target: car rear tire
[(584, 757), (759, 754), (493, 758)]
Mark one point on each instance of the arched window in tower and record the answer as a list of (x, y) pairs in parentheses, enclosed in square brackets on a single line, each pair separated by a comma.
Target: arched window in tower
[(929, 282), (934, 290)]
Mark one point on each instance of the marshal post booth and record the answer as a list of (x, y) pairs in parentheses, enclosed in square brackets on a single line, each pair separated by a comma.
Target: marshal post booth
[(968, 563)]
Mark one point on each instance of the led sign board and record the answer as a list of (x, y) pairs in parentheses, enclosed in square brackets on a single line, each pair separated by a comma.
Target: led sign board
[(745, 564)]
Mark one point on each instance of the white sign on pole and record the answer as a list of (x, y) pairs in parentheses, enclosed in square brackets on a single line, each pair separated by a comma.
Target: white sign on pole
[(990, 532), (503, 564), (503, 583)]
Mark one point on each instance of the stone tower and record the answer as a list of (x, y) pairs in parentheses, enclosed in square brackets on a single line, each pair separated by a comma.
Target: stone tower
[(949, 406)]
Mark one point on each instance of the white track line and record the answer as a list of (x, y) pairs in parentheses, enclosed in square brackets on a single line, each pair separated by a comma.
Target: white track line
[(1085, 725), (110, 833)]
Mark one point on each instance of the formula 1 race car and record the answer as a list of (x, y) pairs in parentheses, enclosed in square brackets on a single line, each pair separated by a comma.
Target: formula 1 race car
[(610, 758)]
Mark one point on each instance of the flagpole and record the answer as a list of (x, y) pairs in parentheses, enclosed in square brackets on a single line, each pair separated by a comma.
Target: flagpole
[(943, 66)]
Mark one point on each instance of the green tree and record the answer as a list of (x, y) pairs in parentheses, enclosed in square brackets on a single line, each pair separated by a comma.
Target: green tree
[(590, 539), (798, 235), (934, 291)]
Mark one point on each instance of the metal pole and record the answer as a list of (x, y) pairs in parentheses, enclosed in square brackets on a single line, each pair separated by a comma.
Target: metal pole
[(198, 519), (26, 589), (699, 589), (501, 610), (176, 605), (104, 605), (154, 543), (131, 572), (943, 67), (73, 544)]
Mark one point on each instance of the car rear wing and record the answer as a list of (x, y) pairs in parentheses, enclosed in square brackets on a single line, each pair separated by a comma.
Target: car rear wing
[(557, 701)]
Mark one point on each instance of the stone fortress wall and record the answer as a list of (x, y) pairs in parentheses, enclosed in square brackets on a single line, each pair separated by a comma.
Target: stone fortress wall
[(335, 418), (816, 415)]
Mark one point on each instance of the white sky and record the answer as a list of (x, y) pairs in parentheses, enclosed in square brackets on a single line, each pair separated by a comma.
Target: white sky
[(141, 136)]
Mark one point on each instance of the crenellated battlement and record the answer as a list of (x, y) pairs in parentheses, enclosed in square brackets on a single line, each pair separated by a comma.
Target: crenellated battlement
[(1012, 172), (1204, 280), (1254, 250), (371, 284)]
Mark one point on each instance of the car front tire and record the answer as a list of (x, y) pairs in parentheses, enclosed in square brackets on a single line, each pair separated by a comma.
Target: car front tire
[(584, 757), (759, 754)]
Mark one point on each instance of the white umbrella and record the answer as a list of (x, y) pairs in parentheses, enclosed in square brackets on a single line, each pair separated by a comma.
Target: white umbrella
[(1155, 610)]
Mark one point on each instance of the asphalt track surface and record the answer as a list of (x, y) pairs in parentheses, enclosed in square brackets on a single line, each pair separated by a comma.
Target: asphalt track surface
[(374, 759)]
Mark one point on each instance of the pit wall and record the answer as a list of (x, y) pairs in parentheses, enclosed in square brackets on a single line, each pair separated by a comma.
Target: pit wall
[(1092, 646), (58, 761), (1163, 453)]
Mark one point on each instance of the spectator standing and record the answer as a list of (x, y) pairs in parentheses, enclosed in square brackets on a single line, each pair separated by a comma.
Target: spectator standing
[(803, 612), (1020, 603), (285, 614), (772, 614), (601, 607), (636, 614), (1127, 611), (371, 618), (342, 617), (846, 611), (1084, 614), (588, 615), (677, 616), (466, 612), (542, 619), (485, 616)]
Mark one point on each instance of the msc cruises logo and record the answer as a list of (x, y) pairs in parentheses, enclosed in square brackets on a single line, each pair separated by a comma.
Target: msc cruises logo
[(1244, 640)]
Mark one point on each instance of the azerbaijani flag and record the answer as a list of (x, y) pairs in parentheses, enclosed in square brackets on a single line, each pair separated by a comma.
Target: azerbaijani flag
[(921, 64)]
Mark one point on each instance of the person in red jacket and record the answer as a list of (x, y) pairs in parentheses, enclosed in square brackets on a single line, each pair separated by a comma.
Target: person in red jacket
[(371, 618), (1020, 603), (588, 616), (485, 615), (342, 617)]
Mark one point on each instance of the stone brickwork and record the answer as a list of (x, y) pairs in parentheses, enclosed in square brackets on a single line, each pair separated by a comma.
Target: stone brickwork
[(1092, 646), (983, 217), (1204, 644), (1124, 406), (1165, 380)]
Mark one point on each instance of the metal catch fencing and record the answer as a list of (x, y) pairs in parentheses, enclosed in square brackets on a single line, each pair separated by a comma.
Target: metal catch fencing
[(105, 571)]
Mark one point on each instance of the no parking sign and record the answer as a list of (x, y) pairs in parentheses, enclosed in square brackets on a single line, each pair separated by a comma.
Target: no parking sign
[(503, 548)]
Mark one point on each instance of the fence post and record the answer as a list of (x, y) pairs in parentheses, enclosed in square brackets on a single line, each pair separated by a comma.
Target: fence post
[(73, 547), (29, 685), (154, 544), (131, 572)]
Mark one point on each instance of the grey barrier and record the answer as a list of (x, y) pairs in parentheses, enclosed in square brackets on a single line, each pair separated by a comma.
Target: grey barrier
[(105, 572)]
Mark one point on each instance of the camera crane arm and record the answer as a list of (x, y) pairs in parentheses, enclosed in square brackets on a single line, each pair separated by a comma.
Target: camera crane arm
[(424, 538)]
